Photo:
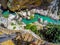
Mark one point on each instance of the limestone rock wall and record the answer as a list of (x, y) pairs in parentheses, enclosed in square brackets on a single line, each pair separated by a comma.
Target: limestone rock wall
[(14, 5)]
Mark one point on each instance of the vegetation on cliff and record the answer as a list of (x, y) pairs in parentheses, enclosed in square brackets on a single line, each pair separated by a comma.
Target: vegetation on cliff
[(52, 33)]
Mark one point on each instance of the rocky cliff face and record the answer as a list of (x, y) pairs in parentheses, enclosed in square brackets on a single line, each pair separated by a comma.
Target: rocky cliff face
[(14, 5), (23, 4), (23, 37), (4, 3)]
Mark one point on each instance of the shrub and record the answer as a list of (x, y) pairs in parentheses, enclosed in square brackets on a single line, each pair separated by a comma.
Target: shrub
[(31, 17), (52, 34), (32, 28)]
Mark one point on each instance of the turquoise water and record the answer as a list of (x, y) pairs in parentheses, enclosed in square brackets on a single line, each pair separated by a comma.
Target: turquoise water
[(37, 16), (6, 13)]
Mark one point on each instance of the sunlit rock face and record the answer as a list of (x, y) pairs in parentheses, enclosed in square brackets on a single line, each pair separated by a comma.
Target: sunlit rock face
[(14, 5), (23, 4)]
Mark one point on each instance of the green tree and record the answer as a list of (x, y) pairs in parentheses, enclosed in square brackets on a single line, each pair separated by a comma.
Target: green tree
[(32, 28), (52, 34), (28, 26)]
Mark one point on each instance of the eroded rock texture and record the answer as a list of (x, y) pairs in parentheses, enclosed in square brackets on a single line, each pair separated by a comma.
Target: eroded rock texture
[(14, 5), (4, 3), (23, 4)]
